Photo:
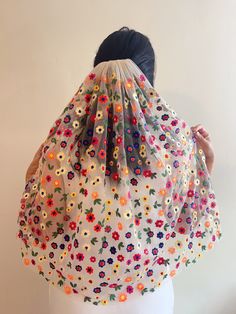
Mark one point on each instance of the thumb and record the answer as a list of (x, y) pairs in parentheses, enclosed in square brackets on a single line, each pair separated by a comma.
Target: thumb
[(39, 152)]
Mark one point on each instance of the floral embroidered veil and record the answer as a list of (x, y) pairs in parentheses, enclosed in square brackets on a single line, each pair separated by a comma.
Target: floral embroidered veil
[(122, 197)]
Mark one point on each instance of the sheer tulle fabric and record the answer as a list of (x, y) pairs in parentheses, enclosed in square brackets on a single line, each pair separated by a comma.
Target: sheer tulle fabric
[(121, 192)]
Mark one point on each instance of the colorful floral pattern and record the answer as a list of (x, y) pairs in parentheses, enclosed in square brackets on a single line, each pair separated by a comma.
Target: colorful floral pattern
[(122, 197)]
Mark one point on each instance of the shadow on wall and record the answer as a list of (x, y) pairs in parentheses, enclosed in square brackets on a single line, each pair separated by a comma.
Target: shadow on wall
[(229, 306)]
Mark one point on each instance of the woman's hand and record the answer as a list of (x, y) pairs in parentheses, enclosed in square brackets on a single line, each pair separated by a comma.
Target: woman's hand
[(204, 141), (34, 164)]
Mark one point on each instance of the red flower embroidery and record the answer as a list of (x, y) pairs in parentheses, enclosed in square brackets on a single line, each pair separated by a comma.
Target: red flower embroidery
[(80, 256), (89, 270), (72, 225), (159, 223), (103, 99), (115, 235), (97, 228), (190, 193), (50, 202), (90, 217)]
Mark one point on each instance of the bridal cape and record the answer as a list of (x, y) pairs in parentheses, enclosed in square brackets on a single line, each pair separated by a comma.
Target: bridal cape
[(121, 192)]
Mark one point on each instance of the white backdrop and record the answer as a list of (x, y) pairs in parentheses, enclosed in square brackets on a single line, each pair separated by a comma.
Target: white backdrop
[(47, 48)]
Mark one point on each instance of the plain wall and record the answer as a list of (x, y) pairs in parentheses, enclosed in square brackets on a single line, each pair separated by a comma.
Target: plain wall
[(47, 49)]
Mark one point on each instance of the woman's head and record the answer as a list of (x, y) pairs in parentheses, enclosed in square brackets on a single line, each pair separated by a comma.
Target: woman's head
[(128, 43)]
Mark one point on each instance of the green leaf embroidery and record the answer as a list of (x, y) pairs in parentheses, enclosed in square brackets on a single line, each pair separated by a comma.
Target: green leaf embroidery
[(120, 245), (48, 223), (112, 297), (118, 213), (151, 192), (50, 167), (94, 240), (97, 201)]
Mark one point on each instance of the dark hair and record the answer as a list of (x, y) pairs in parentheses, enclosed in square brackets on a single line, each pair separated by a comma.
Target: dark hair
[(128, 43)]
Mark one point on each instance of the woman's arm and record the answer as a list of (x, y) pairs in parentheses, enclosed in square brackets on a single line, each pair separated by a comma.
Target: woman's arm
[(34, 164), (204, 141)]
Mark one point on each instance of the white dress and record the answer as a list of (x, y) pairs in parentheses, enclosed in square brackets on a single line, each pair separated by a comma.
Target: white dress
[(159, 302)]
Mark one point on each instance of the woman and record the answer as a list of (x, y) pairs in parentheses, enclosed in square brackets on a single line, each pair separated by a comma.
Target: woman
[(118, 199)]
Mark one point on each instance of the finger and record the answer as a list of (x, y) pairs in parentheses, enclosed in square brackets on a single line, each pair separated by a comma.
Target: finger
[(40, 148), (39, 152), (199, 128), (201, 139), (203, 132)]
